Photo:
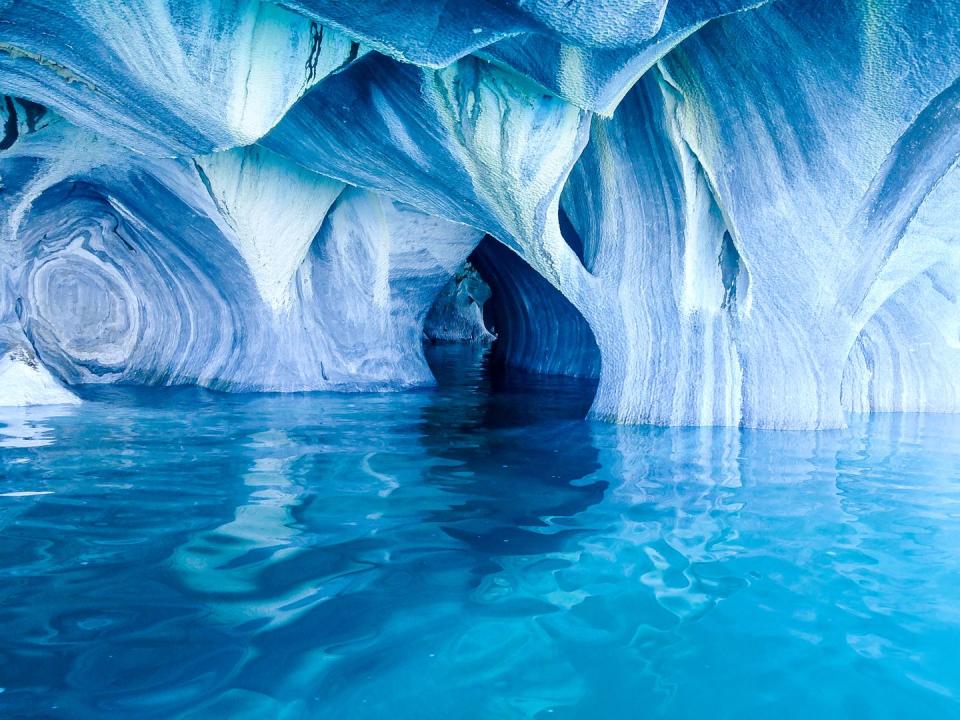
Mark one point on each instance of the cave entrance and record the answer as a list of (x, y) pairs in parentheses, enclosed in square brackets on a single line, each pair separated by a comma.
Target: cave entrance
[(529, 332)]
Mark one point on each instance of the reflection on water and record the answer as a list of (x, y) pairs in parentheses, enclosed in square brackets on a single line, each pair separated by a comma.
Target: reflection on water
[(25, 427), (471, 551)]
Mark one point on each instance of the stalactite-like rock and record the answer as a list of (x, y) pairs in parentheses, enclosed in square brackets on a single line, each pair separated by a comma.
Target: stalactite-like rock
[(710, 320), (819, 162), (434, 34), (470, 143), (671, 284), (273, 210), (596, 78), (730, 212), (114, 292), (167, 77)]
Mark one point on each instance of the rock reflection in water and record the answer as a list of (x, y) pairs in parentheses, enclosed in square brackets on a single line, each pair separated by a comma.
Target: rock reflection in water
[(475, 550)]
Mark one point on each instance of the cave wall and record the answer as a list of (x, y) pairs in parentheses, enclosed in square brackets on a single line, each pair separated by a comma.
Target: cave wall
[(539, 331), (729, 212)]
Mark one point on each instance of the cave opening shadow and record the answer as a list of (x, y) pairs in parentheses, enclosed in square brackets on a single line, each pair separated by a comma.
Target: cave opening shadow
[(543, 346)]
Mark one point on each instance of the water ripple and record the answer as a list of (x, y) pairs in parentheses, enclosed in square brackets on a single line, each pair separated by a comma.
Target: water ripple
[(470, 551)]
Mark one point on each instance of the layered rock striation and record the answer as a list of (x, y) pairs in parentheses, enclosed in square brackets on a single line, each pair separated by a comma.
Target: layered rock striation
[(728, 212)]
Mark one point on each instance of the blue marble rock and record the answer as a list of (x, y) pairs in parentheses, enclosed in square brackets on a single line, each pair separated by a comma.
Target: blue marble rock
[(192, 295), (167, 77), (457, 312), (729, 212)]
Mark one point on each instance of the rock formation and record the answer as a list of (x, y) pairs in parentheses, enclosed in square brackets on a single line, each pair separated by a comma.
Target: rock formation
[(730, 212)]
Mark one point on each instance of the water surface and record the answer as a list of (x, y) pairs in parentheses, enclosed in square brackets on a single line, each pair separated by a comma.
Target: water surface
[(471, 551)]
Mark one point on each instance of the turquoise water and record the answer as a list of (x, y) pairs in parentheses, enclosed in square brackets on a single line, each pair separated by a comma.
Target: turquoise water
[(472, 551)]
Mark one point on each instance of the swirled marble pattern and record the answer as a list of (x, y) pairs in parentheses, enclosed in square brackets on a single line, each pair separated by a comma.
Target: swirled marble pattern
[(167, 77), (111, 296), (597, 77), (733, 212)]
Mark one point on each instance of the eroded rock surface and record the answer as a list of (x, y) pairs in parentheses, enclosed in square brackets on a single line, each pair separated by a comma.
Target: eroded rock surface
[(732, 212)]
